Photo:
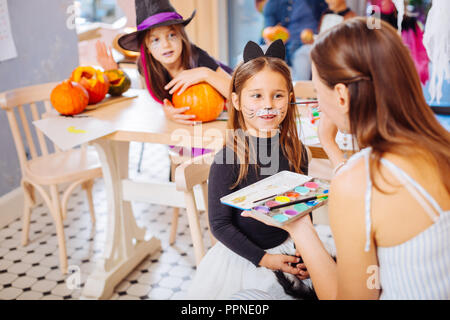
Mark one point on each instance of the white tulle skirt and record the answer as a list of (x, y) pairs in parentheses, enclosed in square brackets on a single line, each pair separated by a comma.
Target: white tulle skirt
[(222, 273)]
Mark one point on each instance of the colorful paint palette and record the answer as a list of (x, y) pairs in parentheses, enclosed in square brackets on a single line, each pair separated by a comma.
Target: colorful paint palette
[(289, 187)]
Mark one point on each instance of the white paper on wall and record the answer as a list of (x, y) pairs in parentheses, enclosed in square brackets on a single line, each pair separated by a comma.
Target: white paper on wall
[(8, 48)]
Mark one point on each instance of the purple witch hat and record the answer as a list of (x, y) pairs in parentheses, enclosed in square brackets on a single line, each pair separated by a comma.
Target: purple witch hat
[(151, 14)]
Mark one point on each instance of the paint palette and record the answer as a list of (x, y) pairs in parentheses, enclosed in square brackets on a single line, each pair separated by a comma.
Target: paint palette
[(281, 188)]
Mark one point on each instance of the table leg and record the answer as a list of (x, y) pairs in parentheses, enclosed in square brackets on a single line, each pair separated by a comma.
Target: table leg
[(125, 243)]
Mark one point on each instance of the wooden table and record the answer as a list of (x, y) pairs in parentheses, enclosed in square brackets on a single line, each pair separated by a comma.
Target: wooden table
[(141, 119)]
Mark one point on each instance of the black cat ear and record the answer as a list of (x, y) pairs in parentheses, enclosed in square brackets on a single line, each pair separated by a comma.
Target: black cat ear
[(276, 49), (252, 51)]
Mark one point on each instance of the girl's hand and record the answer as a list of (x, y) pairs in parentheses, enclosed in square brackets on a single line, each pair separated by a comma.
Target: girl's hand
[(176, 114), (187, 78), (105, 57), (280, 262), (303, 272)]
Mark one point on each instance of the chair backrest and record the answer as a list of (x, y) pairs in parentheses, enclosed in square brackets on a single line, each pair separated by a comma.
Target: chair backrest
[(16, 101), (304, 90)]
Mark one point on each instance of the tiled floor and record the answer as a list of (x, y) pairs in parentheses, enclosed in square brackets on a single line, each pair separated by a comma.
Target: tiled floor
[(32, 272)]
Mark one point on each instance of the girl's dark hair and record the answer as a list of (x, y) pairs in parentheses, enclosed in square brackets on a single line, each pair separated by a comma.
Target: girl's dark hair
[(289, 141), (388, 111), (157, 74)]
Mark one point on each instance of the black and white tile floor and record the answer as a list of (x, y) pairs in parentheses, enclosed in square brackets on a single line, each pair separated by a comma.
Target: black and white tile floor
[(32, 272)]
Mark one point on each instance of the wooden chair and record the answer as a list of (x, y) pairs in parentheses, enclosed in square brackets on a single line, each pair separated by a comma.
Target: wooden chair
[(189, 174), (46, 170), (304, 90)]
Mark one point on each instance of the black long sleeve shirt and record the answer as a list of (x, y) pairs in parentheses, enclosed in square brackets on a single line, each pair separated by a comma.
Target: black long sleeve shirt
[(245, 236)]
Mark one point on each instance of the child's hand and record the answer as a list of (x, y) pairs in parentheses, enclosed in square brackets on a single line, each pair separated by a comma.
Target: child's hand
[(186, 79), (280, 262), (105, 57), (176, 114), (303, 272)]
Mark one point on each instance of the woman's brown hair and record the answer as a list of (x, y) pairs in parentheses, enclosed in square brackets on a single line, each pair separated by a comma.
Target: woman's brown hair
[(289, 141), (388, 111), (157, 74)]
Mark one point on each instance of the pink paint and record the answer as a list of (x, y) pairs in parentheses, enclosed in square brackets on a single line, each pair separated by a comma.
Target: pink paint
[(311, 185)]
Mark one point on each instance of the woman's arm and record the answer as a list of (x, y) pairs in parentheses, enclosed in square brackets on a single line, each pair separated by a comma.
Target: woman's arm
[(219, 79)]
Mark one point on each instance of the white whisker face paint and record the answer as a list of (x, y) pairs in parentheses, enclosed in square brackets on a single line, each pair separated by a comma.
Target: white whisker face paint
[(267, 112)]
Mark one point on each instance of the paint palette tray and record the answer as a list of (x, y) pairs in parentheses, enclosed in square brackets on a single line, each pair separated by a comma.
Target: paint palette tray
[(279, 189)]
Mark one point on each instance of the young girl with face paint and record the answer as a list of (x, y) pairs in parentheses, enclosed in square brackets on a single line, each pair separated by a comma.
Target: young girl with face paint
[(168, 60), (262, 141)]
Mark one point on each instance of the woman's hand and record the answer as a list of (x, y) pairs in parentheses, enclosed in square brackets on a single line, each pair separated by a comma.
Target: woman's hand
[(280, 262), (105, 57), (327, 130), (289, 227), (176, 114), (187, 78)]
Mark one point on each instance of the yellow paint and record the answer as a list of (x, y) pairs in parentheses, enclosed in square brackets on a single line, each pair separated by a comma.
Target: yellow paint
[(72, 129), (282, 199)]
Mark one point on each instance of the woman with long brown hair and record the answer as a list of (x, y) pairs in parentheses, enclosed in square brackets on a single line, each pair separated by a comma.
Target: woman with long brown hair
[(389, 204), (263, 140)]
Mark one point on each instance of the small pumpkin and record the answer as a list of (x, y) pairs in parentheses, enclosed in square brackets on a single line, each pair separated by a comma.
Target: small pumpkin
[(275, 33), (119, 82), (203, 100), (307, 36), (69, 98), (93, 80)]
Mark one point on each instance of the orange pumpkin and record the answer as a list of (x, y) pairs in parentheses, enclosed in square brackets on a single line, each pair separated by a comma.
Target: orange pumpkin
[(276, 32), (203, 100), (69, 98), (307, 36), (93, 80)]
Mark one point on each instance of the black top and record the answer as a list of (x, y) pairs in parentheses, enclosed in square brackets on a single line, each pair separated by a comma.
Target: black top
[(245, 236)]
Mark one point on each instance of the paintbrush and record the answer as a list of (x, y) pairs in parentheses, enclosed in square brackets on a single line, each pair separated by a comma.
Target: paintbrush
[(319, 196), (306, 102)]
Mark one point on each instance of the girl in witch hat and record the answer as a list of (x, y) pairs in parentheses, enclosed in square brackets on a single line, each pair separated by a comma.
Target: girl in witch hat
[(168, 60)]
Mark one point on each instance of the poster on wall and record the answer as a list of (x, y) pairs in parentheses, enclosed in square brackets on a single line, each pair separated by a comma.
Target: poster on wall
[(8, 50)]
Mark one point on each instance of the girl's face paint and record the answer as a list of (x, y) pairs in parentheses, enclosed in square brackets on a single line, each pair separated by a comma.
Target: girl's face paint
[(165, 45), (264, 101)]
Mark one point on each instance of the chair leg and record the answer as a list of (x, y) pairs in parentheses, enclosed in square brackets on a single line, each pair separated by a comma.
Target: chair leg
[(26, 214), (57, 216), (194, 226), (87, 186), (173, 229), (204, 187)]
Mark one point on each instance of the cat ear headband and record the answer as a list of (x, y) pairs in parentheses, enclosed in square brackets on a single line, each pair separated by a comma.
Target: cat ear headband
[(275, 50)]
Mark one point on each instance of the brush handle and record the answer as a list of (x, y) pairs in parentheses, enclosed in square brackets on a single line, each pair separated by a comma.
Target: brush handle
[(306, 102), (293, 202)]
